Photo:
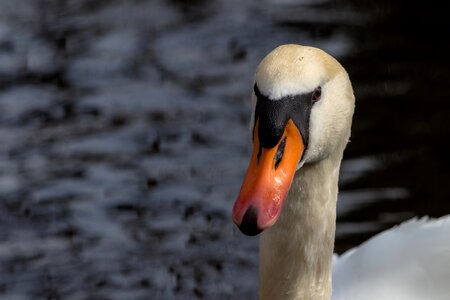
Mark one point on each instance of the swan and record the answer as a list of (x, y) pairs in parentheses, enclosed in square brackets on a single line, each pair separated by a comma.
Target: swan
[(302, 108)]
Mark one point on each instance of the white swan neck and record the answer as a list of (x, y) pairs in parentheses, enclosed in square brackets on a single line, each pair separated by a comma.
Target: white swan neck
[(296, 253)]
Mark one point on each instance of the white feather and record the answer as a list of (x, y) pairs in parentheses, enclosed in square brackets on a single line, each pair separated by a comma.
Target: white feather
[(408, 262)]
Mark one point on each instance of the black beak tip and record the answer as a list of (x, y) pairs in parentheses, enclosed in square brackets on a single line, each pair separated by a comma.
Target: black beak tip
[(249, 224)]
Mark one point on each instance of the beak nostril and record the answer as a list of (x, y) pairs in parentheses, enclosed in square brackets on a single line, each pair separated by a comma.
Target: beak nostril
[(280, 153)]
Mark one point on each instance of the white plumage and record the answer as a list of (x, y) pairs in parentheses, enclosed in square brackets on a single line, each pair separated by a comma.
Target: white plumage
[(408, 262)]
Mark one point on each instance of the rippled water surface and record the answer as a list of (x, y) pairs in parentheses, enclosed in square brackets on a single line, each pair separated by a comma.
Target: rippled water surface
[(123, 136)]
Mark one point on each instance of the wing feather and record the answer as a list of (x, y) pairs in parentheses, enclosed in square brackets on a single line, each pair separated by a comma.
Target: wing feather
[(408, 262)]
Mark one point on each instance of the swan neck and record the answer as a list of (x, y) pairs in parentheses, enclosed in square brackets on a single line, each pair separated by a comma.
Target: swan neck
[(296, 253)]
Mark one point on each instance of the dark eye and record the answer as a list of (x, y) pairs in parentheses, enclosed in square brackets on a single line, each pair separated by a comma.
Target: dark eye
[(316, 94)]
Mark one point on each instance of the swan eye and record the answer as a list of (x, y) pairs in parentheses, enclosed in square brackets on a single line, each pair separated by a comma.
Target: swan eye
[(316, 94)]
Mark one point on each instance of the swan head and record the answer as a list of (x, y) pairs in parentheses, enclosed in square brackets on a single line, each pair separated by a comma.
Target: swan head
[(302, 107)]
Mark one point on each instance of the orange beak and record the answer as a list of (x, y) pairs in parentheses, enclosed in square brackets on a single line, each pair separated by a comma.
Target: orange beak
[(267, 181)]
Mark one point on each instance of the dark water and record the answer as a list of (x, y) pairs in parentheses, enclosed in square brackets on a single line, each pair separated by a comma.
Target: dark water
[(123, 136), (400, 71)]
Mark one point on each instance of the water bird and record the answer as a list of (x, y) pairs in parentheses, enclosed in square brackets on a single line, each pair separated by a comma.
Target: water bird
[(302, 109)]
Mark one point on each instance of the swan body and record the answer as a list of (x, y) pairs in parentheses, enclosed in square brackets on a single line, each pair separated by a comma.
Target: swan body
[(408, 262), (303, 105)]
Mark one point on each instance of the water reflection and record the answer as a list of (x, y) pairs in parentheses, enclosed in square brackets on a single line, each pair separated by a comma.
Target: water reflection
[(124, 136)]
